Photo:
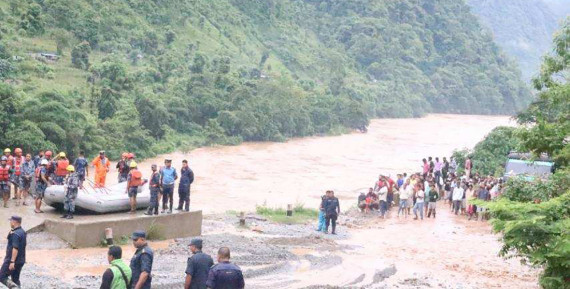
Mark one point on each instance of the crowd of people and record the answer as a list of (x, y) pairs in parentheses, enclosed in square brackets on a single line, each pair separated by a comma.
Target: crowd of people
[(420, 192), (31, 175)]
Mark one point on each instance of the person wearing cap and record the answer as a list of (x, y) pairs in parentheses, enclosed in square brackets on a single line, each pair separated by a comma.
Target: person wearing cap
[(186, 179), (167, 178), (17, 161), (119, 274), (154, 185), (101, 164), (198, 266), (141, 262), (5, 180), (72, 183), (134, 180), (225, 274), (28, 168), (15, 254), (81, 167), (123, 168), (42, 182)]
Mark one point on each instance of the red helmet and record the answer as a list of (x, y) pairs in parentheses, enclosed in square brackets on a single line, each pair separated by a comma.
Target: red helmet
[(131, 156), (48, 154), (18, 150), (124, 155)]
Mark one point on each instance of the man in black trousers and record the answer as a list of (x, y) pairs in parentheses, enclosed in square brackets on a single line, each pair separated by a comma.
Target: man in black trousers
[(331, 206), (15, 254)]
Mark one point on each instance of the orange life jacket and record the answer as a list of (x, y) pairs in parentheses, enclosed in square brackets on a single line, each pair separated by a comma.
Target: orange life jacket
[(136, 178), (61, 168), (4, 173), (18, 161)]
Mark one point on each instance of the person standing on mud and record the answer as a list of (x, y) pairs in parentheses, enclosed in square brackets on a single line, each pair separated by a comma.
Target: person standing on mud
[(332, 210), (419, 205), (72, 183), (154, 185), (186, 179), (15, 254), (167, 178), (198, 266), (225, 275), (141, 263), (119, 275)]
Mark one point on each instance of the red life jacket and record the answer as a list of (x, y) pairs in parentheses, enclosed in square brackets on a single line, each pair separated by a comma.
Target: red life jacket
[(136, 178), (4, 173), (61, 168), (18, 161)]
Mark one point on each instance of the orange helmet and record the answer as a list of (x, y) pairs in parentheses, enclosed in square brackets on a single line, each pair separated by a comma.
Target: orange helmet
[(131, 155), (48, 154), (18, 150)]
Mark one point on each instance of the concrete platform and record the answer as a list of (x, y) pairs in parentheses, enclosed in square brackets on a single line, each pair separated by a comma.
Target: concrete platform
[(90, 232)]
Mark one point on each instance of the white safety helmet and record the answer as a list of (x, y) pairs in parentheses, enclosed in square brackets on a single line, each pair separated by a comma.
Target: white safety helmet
[(44, 162)]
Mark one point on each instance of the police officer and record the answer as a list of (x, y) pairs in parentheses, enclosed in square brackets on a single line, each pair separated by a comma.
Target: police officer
[(118, 276), (15, 254), (198, 266), (331, 206), (154, 185), (225, 275), (141, 263), (186, 179), (72, 183), (168, 176)]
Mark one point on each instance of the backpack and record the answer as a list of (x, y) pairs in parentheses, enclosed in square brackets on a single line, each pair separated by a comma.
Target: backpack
[(136, 178)]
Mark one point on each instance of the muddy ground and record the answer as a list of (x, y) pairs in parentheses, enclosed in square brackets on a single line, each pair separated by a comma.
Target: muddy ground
[(368, 252)]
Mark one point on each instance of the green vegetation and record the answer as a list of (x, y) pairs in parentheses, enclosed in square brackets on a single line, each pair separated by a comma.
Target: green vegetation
[(279, 215), (152, 77), (534, 217)]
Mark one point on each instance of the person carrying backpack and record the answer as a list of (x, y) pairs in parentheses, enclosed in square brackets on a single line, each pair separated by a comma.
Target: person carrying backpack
[(134, 180)]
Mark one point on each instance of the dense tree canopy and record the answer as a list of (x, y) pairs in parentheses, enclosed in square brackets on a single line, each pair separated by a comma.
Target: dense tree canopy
[(148, 76)]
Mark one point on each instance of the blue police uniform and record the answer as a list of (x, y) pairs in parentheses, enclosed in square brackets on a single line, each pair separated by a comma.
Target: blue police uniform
[(142, 262), (225, 275), (16, 239), (80, 164), (169, 176), (198, 266), (186, 179), (154, 185)]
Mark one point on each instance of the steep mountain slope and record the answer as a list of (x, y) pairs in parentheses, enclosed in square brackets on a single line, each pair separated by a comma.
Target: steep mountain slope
[(523, 28), (149, 76)]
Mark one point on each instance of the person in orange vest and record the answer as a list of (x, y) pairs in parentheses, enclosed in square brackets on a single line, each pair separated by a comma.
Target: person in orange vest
[(101, 164), (17, 162), (61, 168), (5, 180), (134, 180)]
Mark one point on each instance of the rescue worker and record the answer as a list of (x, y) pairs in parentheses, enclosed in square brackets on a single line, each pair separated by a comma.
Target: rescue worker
[(130, 158), (119, 274), (42, 182), (38, 158), (197, 267), (186, 179), (72, 183), (134, 180), (332, 210), (167, 178), (5, 180), (225, 274), (81, 167), (123, 168), (61, 165), (50, 168), (17, 162), (101, 164), (8, 155), (154, 185), (28, 169), (15, 254), (141, 262)]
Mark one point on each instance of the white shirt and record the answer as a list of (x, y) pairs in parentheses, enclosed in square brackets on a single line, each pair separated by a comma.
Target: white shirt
[(405, 193), (458, 194), (383, 194), (420, 196)]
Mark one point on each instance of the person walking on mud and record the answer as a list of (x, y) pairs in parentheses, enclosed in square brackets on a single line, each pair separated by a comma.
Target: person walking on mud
[(197, 267), (167, 178), (119, 274), (141, 262), (332, 210), (186, 179), (225, 275), (15, 254), (154, 185)]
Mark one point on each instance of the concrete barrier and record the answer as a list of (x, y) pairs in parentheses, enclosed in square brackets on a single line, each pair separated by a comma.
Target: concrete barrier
[(87, 233)]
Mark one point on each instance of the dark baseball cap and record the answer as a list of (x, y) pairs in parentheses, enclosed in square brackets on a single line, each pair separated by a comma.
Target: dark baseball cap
[(16, 218), (196, 242), (138, 234)]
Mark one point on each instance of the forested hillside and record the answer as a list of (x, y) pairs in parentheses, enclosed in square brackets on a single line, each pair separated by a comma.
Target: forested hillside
[(524, 28), (152, 76)]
